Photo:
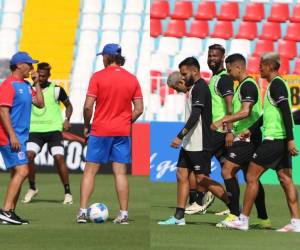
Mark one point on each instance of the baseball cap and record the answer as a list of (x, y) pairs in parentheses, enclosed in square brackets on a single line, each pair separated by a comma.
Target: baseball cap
[(22, 57), (111, 49)]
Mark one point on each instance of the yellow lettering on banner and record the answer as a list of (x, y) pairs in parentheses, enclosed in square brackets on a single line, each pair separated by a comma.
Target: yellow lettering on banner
[(295, 95)]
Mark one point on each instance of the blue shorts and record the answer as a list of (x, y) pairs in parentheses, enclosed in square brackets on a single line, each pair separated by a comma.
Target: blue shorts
[(103, 149), (11, 158)]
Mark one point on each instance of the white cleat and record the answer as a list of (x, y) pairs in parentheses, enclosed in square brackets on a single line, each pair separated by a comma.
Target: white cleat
[(222, 213), (29, 195), (237, 224), (68, 199), (208, 200), (289, 228), (195, 208)]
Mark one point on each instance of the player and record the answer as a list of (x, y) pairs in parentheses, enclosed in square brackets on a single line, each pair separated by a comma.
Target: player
[(195, 154), (176, 82), (46, 127), (222, 90), (247, 109)]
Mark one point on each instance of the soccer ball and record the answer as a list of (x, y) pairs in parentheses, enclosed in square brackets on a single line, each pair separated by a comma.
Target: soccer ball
[(97, 213)]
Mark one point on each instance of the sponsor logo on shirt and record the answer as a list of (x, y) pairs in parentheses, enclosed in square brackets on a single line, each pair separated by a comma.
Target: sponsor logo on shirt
[(197, 168), (232, 155), (21, 91)]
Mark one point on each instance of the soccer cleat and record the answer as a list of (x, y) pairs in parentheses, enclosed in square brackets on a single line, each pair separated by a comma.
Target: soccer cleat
[(172, 221), (9, 217), (121, 220), (29, 195), (23, 221), (230, 217), (289, 228), (195, 208), (81, 218), (208, 200), (68, 199), (222, 213), (237, 224), (261, 224)]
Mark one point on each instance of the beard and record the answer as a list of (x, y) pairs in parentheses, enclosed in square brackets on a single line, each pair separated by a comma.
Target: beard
[(189, 82), (215, 66)]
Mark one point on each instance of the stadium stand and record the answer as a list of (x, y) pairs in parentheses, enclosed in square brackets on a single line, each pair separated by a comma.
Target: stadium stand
[(75, 31), (119, 21), (250, 27)]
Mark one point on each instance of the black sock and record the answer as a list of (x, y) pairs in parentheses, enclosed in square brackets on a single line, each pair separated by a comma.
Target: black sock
[(260, 203), (200, 196), (32, 185), (67, 189), (232, 187), (179, 214), (192, 196)]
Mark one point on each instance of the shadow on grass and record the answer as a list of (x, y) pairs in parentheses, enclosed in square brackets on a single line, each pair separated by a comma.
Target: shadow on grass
[(45, 200)]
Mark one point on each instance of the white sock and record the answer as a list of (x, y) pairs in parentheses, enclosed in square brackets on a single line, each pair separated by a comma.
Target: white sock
[(244, 218), (295, 222), (82, 211), (124, 213)]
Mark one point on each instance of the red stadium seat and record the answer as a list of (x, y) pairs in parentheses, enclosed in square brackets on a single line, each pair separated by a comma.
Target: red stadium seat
[(284, 66), (279, 12), (156, 80), (163, 91), (160, 9), (287, 48), (206, 10), (271, 31), (182, 10), (255, 12), (155, 27), (293, 32), (199, 28), (297, 67), (176, 28), (229, 11), (253, 65), (296, 13), (263, 46), (223, 29), (247, 30)]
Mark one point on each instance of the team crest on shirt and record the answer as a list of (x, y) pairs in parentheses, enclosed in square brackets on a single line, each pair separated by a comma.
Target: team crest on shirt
[(21, 91), (21, 155), (254, 155)]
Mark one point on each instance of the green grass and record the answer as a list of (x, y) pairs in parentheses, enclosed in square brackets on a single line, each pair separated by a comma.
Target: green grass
[(201, 233), (53, 224)]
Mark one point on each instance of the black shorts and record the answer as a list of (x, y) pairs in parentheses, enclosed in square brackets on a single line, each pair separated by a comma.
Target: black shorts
[(240, 153), (37, 140), (273, 154), (197, 161), (218, 145)]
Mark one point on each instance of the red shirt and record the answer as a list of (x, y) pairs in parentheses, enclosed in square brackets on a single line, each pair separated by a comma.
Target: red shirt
[(16, 94), (114, 89)]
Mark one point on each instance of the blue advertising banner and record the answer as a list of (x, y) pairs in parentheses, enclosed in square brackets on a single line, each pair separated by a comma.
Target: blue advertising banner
[(163, 158)]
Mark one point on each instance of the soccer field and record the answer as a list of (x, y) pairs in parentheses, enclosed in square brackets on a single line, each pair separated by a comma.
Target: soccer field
[(201, 233), (53, 224)]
